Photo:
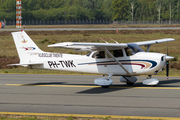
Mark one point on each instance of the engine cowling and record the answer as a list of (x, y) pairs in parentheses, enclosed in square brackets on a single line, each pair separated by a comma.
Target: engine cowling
[(103, 81)]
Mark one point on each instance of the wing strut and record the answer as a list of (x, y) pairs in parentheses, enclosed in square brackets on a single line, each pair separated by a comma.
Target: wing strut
[(148, 47), (116, 60)]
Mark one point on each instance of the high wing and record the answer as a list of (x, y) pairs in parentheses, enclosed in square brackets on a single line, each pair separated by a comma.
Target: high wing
[(77, 46), (89, 46), (150, 42)]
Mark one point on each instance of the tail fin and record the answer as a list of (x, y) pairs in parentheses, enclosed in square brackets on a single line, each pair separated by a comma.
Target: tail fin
[(25, 46)]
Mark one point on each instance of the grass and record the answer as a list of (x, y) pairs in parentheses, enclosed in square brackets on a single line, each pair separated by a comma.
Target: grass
[(37, 117), (8, 47), (43, 39)]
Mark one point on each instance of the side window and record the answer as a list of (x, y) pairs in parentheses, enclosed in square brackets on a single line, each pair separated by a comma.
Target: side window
[(118, 53), (101, 54), (111, 51)]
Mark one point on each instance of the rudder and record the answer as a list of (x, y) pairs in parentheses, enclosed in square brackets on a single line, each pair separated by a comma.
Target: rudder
[(24, 45)]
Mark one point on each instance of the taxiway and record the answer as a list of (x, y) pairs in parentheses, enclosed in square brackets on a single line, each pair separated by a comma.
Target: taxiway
[(77, 94)]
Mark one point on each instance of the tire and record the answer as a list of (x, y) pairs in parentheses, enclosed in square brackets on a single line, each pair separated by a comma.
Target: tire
[(129, 83), (105, 86)]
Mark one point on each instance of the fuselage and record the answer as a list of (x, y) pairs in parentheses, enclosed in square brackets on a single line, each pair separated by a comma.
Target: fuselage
[(141, 63)]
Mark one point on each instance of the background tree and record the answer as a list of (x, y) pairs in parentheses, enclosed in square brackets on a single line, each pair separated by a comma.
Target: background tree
[(107, 9), (120, 9), (177, 9), (130, 10), (169, 2), (158, 4)]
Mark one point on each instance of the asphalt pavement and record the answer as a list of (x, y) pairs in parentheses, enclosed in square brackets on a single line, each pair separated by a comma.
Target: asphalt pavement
[(77, 94)]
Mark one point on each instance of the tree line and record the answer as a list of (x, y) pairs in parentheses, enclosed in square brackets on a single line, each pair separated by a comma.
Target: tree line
[(125, 10)]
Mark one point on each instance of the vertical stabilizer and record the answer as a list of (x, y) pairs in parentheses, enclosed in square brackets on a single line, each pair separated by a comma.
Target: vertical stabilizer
[(25, 46)]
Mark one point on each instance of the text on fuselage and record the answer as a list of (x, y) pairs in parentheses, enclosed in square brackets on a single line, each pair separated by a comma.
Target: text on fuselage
[(57, 55), (62, 63)]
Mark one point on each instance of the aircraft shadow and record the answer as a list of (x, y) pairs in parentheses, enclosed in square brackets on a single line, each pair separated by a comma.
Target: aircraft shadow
[(112, 88), (169, 83), (55, 83), (44, 83)]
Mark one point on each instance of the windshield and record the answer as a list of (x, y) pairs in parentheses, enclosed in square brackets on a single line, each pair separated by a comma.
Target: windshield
[(135, 48), (88, 54)]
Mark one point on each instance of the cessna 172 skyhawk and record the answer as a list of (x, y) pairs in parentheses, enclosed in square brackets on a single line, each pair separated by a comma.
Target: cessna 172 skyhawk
[(123, 59)]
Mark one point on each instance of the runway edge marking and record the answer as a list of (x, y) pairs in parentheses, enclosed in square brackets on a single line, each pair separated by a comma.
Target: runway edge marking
[(87, 115)]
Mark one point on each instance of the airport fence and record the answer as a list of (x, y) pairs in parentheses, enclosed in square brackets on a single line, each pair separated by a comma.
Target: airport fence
[(80, 22), (60, 22)]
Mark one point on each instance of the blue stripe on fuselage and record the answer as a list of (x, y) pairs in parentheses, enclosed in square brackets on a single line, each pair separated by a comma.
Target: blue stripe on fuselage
[(154, 63)]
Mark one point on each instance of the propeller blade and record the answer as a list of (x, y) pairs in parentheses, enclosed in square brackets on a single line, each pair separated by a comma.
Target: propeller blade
[(167, 63), (167, 69)]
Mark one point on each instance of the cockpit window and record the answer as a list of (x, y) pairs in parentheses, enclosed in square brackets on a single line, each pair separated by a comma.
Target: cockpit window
[(118, 53), (115, 53), (88, 54), (100, 54), (134, 48), (128, 52)]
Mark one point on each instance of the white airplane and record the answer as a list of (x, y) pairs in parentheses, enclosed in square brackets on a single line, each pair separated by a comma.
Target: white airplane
[(113, 59)]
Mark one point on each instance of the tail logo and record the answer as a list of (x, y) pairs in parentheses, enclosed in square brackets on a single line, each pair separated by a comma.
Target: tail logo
[(29, 48), (23, 41)]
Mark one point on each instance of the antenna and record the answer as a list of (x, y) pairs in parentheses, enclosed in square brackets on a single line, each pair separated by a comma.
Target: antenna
[(114, 41), (104, 40)]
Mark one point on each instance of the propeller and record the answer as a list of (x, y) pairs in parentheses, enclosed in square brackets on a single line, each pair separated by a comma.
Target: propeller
[(167, 69), (167, 64)]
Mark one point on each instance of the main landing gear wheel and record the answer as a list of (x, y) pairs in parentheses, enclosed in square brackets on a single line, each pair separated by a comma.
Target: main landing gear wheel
[(150, 81), (105, 86), (130, 83)]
